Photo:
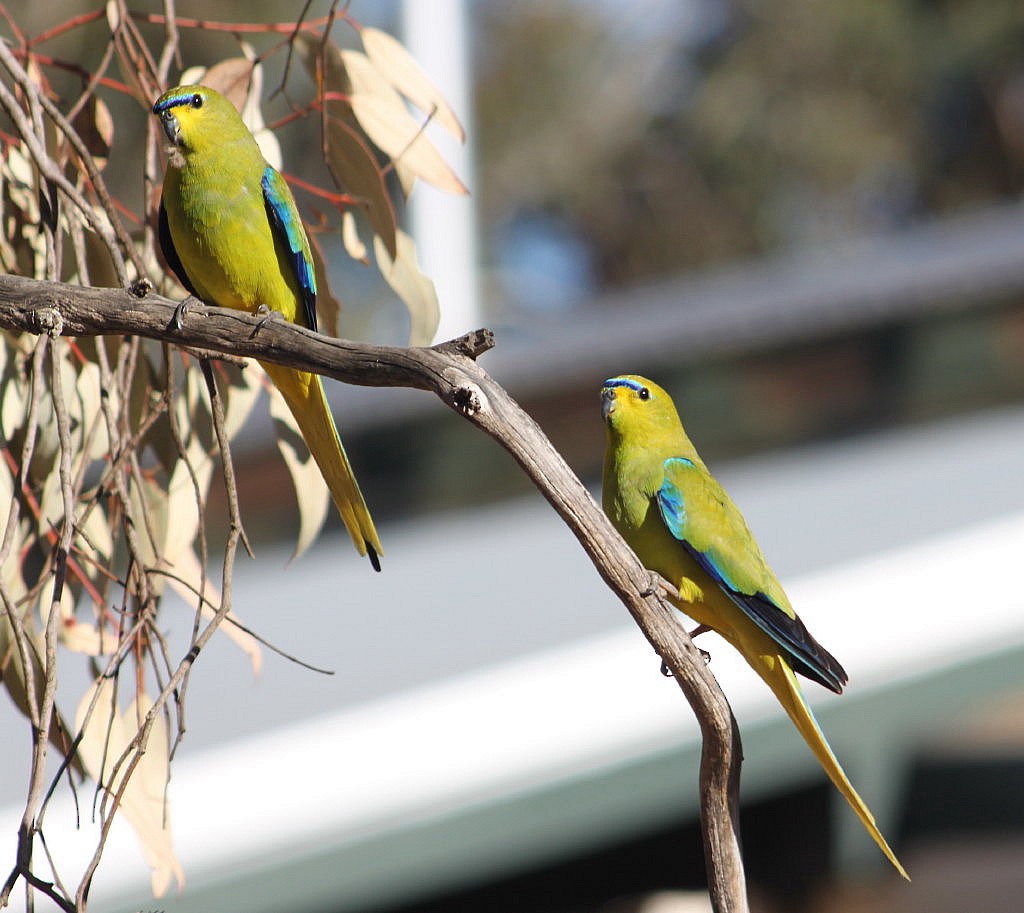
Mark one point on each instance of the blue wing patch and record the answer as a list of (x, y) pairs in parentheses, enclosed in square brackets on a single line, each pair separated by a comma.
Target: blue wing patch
[(285, 221), (670, 501), (673, 513), (806, 655)]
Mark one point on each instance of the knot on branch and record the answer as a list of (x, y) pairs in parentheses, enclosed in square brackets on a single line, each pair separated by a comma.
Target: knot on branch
[(140, 288), (468, 399), (47, 320)]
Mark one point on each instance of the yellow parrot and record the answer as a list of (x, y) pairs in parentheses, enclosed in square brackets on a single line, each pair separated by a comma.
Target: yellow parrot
[(680, 522), (230, 230)]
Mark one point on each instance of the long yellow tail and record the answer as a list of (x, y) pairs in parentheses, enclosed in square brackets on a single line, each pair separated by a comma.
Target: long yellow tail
[(304, 395), (782, 680)]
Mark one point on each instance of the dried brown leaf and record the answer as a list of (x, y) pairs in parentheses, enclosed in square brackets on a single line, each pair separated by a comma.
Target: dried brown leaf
[(96, 128), (189, 569), (28, 241), (6, 486), (415, 289), (12, 671), (88, 406), (240, 393), (356, 170), (311, 493), (322, 59), (76, 636), (180, 501), (14, 398), (105, 736), (400, 68), (113, 11), (351, 161), (350, 238), (101, 267), (51, 502), (328, 307), (96, 538), (160, 506), (380, 111), (233, 78), (406, 179)]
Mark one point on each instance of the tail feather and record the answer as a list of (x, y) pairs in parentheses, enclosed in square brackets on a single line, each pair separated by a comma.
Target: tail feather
[(304, 395), (782, 680)]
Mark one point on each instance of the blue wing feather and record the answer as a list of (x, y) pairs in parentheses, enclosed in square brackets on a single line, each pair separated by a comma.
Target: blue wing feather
[(671, 504), (805, 654), (284, 218)]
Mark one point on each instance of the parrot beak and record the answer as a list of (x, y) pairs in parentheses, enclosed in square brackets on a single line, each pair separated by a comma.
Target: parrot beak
[(607, 402), (170, 124)]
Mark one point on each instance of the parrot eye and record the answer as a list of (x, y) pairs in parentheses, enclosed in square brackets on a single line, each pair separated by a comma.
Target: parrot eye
[(644, 393), (197, 100)]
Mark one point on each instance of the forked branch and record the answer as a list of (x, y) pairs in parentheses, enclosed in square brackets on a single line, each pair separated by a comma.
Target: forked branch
[(450, 371)]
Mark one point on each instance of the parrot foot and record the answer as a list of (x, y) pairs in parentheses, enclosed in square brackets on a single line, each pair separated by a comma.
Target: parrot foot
[(183, 307), (696, 632), (265, 315), (656, 586), (667, 672)]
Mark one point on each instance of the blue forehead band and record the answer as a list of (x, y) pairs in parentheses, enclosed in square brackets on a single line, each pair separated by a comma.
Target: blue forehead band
[(175, 101), (623, 382)]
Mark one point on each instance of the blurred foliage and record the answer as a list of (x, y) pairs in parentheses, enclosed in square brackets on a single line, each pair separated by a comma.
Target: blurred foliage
[(749, 126)]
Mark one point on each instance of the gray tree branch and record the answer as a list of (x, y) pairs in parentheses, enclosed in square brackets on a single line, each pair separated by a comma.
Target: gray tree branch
[(450, 371)]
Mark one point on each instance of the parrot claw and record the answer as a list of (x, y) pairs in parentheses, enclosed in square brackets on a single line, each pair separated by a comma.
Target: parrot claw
[(183, 307), (655, 585), (696, 632), (667, 672), (266, 315)]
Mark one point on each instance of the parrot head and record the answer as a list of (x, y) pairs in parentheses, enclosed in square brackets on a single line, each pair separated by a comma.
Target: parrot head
[(194, 116), (631, 404)]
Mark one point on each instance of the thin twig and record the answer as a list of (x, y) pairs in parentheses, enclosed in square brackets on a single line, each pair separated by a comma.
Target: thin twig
[(43, 720), (31, 426), (172, 48), (110, 232)]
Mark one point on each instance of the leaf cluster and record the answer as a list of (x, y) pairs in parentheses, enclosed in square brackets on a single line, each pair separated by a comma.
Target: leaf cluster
[(109, 446)]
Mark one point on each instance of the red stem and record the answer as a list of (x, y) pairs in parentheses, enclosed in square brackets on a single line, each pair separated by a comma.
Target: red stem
[(69, 67), (66, 26), (281, 28), (51, 535), (335, 199)]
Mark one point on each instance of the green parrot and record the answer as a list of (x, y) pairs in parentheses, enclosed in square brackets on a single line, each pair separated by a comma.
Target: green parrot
[(682, 525), (230, 230)]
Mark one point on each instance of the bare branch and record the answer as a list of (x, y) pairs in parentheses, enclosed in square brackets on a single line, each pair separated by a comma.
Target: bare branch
[(450, 372)]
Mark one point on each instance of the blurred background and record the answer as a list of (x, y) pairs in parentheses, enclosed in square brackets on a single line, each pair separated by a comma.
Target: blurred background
[(804, 220)]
